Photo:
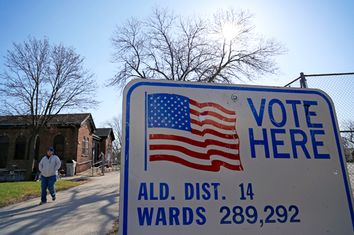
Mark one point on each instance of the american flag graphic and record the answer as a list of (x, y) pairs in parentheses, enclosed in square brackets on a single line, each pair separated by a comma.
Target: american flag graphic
[(198, 135)]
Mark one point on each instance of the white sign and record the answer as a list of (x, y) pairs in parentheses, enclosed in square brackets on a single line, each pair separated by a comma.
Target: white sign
[(230, 159)]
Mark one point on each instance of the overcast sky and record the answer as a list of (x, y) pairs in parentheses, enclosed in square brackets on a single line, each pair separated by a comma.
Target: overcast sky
[(319, 35)]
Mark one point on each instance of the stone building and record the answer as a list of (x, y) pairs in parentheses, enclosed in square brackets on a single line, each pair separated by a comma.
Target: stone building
[(73, 136)]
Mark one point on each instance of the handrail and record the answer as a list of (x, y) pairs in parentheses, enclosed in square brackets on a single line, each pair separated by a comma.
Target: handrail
[(81, 163), (100, 163)]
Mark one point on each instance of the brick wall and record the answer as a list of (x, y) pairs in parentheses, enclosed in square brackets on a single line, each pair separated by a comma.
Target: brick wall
[(46, 139), (71, 150), (12, 134), (84, 131), (70, 143)]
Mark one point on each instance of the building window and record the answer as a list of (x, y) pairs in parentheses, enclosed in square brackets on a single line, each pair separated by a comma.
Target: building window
[(20, 149), (85, 146), (4, 150), (59, 144)]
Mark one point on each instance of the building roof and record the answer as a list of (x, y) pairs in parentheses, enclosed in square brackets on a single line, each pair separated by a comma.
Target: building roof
[(104, 133), (57, 120)]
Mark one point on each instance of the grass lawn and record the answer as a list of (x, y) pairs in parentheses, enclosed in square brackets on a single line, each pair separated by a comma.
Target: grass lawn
[(13, 192)]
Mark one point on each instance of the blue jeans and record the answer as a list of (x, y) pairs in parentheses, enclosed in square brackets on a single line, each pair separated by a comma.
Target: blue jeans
[(47, 182)]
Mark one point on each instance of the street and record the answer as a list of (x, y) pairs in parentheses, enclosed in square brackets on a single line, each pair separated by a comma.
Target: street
[(90, 208)]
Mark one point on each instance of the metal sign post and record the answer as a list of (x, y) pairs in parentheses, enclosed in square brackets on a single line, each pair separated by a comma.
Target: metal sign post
[(228, 159)]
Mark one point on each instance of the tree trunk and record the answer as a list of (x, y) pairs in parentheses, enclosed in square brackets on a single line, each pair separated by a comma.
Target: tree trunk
[(30, 156)]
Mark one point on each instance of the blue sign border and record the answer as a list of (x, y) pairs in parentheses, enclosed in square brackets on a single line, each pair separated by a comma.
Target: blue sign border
[(152, 83)]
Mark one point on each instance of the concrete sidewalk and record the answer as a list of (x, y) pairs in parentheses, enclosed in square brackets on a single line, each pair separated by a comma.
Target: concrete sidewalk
[(90, 208)]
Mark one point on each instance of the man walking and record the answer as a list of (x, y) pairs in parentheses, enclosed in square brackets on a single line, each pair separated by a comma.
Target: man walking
[(48, 166)]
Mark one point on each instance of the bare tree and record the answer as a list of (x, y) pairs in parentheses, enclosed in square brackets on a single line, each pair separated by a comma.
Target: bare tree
[(165, 46), (41, 80), (348, 140), (349, 133), (115, 124)]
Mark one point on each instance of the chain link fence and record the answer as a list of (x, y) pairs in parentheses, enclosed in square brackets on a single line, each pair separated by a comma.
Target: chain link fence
[(339, 86)]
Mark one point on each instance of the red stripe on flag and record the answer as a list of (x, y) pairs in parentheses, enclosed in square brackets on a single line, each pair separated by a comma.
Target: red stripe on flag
[(213, 114), (211, 104), (199, 155), (215, 164), (202, 144), (213, 123), (214, 132)]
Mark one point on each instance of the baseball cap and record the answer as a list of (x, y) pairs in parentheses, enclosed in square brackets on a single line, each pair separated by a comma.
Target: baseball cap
[(51, 149)]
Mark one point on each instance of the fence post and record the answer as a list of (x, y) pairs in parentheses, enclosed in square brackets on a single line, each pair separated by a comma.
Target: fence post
[(103, 162), (92, 164), (303, 81)]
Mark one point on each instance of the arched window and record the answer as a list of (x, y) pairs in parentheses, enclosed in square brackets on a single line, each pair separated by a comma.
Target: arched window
[(59, 144), (4, 151), (20, 149)]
